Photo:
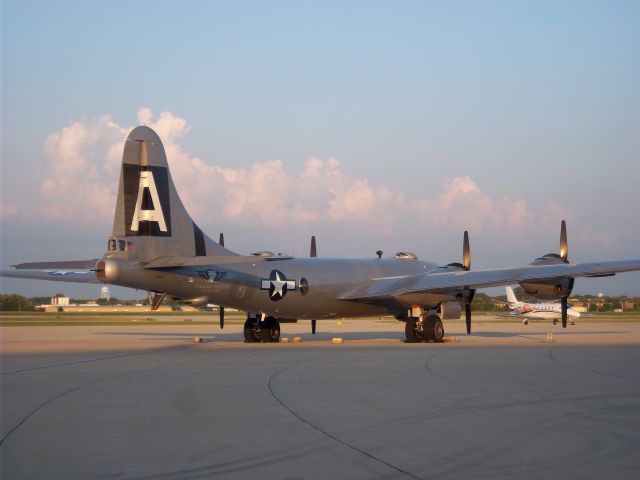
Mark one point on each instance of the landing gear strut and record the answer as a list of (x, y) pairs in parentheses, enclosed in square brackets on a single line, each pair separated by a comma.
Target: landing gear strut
[(424, 328), (257, 330)]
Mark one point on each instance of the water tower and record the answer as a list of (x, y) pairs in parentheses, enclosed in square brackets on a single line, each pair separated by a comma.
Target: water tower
[(104, 293)]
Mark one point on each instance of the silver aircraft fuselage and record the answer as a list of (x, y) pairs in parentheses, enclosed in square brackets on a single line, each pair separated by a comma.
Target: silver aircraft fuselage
[(284, 287)]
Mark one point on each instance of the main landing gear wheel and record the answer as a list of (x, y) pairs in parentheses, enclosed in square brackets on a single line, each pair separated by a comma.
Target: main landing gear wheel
[(427, 327), (270, 329), (413, 330), (252, 332), (433, 328)]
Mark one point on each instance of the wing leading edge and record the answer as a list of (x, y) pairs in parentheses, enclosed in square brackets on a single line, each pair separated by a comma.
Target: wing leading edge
[(388, 287)]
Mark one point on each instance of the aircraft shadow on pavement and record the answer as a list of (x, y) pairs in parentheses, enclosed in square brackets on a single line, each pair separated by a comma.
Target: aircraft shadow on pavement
[(527, 334), (212, 336)]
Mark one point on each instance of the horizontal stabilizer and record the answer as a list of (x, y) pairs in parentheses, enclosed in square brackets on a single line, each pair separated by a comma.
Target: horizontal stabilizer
[(65, 265), (52, 275)]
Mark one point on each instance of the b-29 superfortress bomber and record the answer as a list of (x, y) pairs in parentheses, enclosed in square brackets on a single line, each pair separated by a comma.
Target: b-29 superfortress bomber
[(156, 246)]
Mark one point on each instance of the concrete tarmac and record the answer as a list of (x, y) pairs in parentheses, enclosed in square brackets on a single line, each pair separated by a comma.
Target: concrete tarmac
[(147, 402)]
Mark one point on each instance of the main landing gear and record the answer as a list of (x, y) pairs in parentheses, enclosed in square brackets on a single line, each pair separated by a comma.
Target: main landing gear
[(571, 321), (258, 329), (424, 328)]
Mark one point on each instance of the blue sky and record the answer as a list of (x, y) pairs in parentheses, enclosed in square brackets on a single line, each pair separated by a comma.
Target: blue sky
[(500, 117)]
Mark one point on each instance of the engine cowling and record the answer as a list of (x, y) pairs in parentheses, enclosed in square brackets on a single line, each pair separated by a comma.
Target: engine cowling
[(557, 288), (108, 270)]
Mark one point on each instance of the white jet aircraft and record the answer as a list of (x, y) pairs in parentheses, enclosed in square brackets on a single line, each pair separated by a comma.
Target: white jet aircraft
[(538, 311)]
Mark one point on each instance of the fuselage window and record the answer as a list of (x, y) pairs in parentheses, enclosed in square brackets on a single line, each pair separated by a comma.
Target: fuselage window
[(111, 246), (121, 245)]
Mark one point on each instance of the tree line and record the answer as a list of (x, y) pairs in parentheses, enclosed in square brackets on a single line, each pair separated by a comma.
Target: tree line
[(13, 302)]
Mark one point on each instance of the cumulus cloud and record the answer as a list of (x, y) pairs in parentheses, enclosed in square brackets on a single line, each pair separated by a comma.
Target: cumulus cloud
[(84, 160), (8, 210)]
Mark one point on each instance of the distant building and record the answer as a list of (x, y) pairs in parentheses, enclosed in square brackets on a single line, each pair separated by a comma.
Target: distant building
[(104, 293), (60, 301)]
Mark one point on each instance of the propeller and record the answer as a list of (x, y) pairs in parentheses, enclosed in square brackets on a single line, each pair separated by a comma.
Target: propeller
[(557, 287), (466, 252), (313, 253), (466, 265), (564, 255), (564, 245), (220, 307)]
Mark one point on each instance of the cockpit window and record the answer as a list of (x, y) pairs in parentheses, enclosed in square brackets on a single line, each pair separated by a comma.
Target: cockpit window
[(117, 245)]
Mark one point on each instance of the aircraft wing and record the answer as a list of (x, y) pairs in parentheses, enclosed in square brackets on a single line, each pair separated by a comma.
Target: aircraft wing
[(388, 287), (87, 276)]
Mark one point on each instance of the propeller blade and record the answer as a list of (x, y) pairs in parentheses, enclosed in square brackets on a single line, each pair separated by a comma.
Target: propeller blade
[(564, 245), (564, 306), (313, 327), (221, 318), (313, 252), (467, 315), (466, 252), (221, 240)]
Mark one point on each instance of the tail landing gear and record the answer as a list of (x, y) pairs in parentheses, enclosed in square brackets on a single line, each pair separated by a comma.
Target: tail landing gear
[(426, 327), (266, 330)]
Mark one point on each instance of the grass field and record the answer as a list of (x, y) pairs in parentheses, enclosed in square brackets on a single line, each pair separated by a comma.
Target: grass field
[(24, 319)]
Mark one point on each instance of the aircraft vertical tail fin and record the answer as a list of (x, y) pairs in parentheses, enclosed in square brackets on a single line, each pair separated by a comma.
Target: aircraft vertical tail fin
[(511, 297), (149, 212)]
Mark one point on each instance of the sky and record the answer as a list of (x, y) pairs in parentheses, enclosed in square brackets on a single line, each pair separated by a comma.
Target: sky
[(372, 125)]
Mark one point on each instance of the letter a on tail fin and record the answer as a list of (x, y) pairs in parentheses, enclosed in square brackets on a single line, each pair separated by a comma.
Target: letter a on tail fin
[(148, 206)]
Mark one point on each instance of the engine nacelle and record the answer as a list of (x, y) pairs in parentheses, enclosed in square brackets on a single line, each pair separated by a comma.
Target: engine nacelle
[(549, 290), (549, 259), (450, 310), (108, 270)]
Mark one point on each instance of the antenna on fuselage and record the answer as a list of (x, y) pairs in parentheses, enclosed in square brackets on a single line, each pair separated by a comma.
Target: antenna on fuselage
[(379, 253)]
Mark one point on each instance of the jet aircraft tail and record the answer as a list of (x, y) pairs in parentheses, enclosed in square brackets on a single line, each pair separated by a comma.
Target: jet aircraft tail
[(150, 218), (511, 297)]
